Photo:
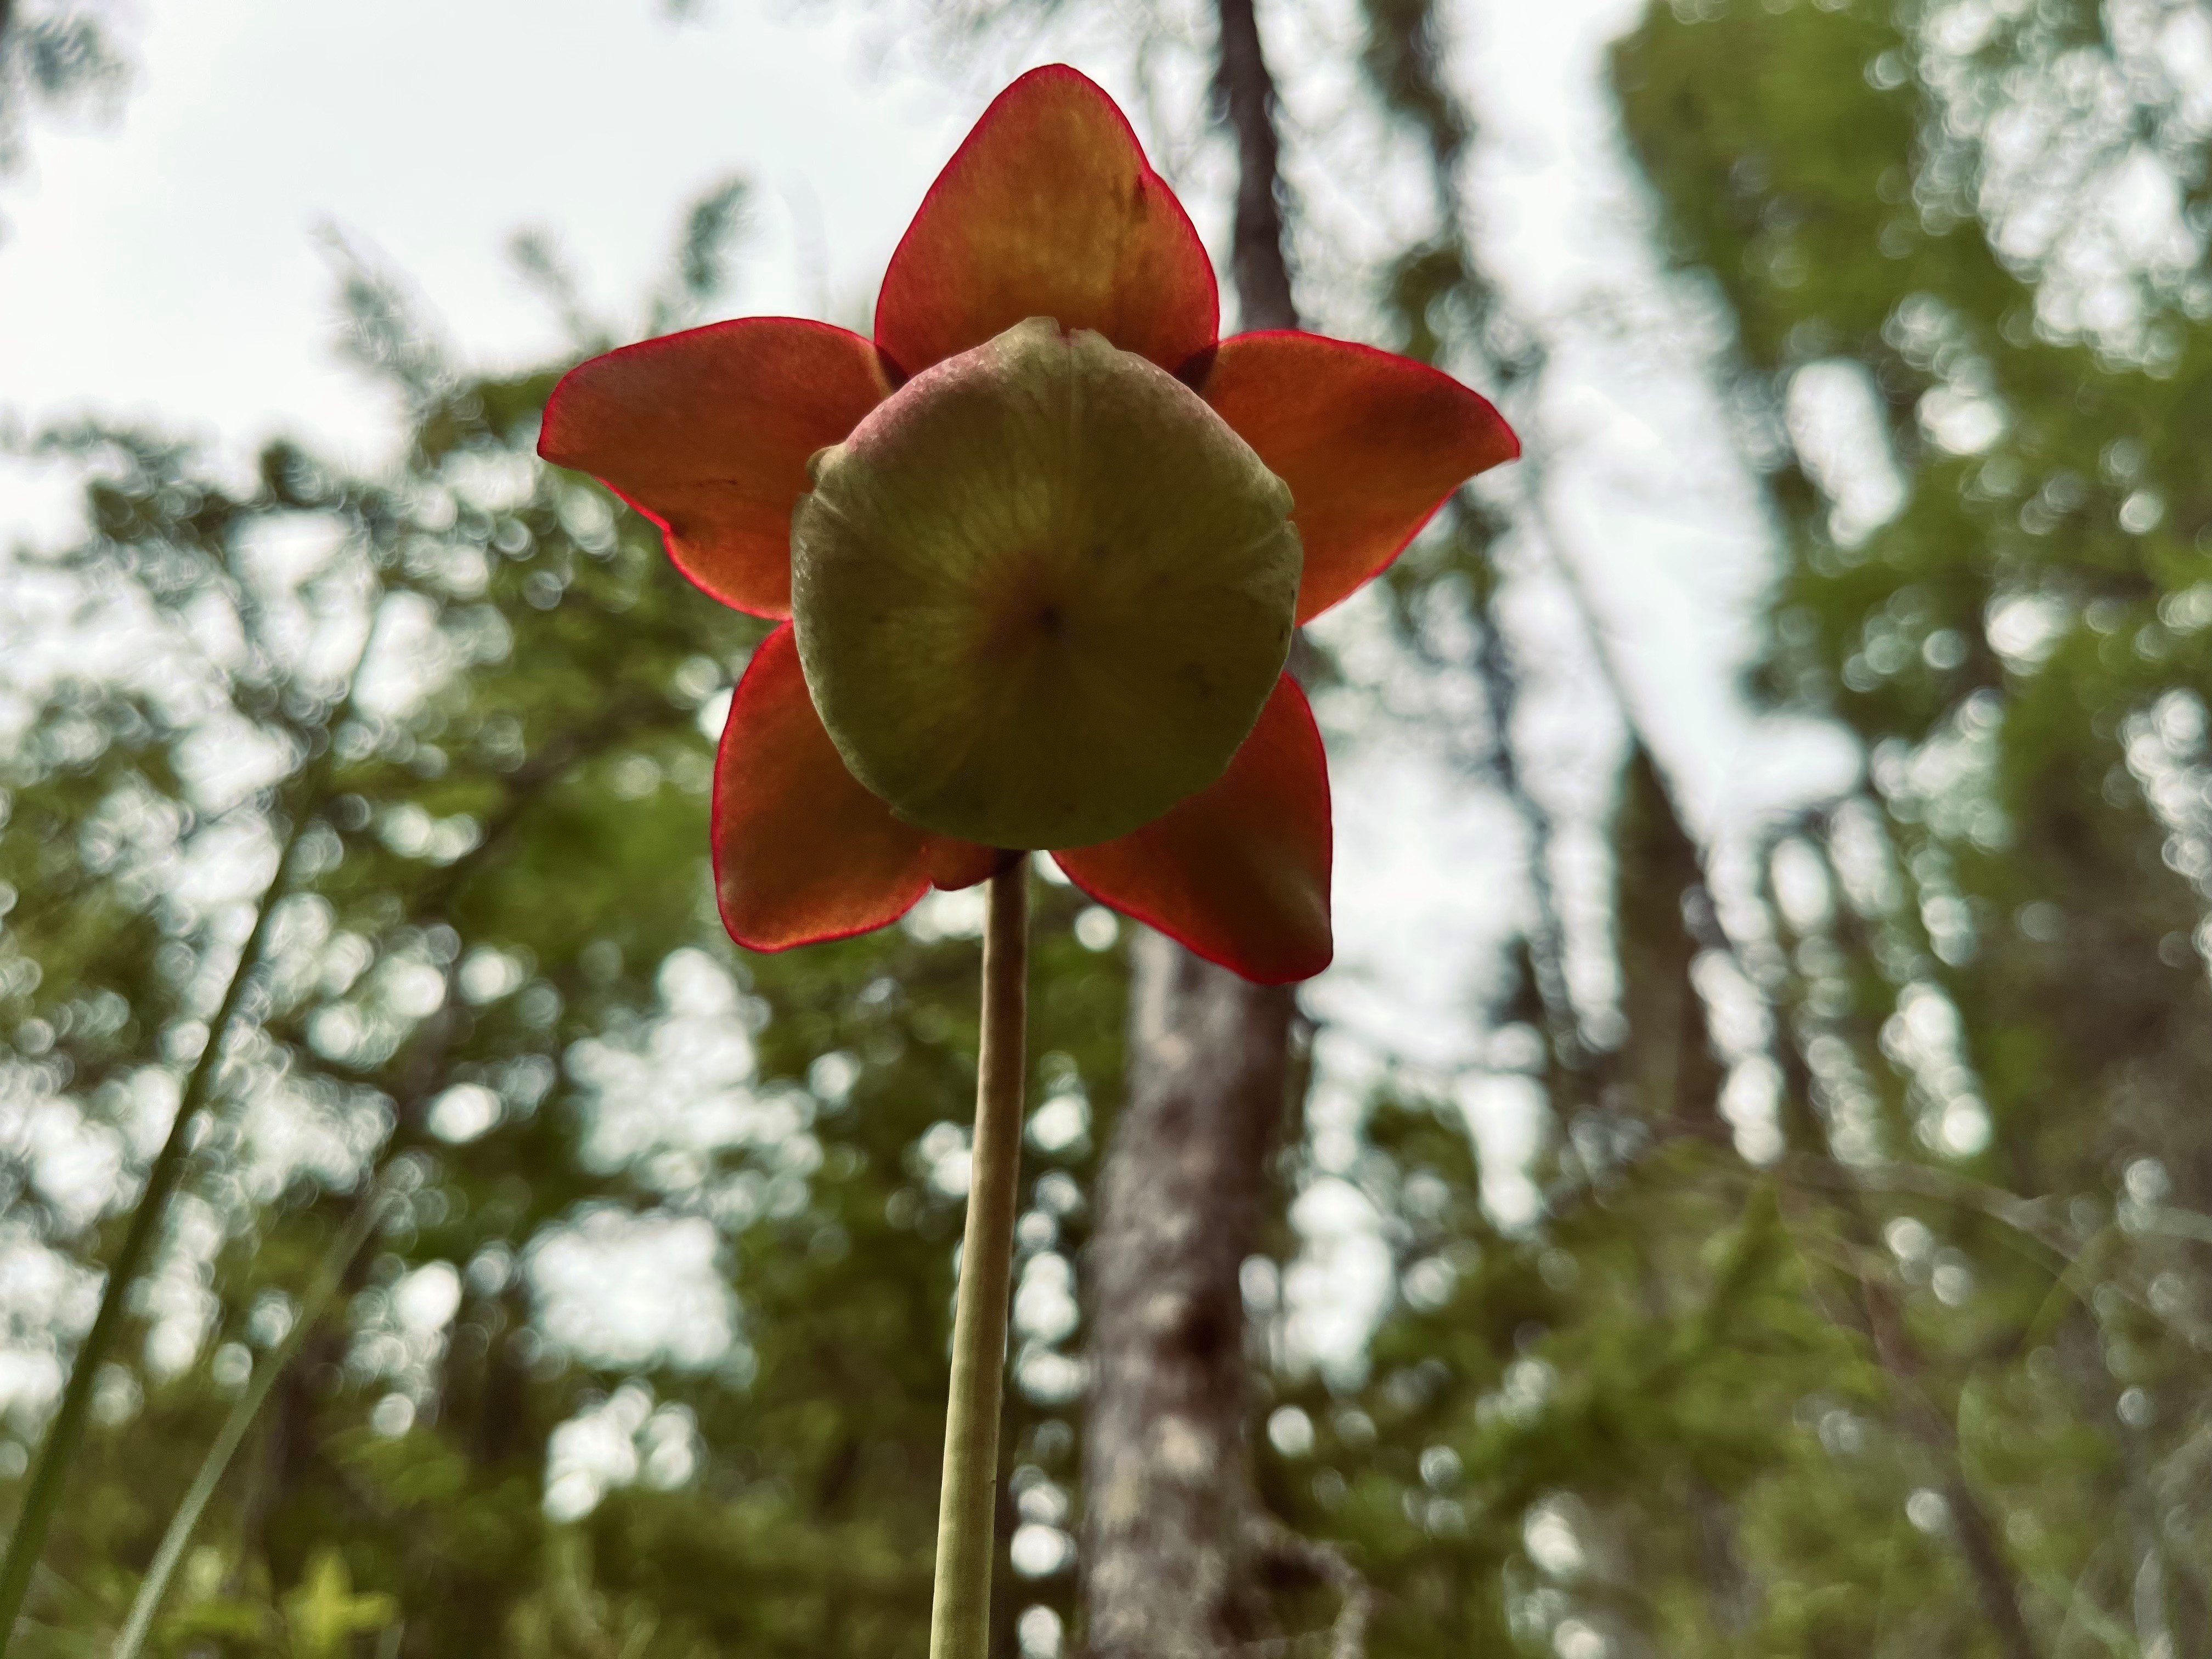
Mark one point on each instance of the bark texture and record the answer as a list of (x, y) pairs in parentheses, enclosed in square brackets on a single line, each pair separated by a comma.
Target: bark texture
[(1246, 92), (1180, 1207), (1168, 1536)]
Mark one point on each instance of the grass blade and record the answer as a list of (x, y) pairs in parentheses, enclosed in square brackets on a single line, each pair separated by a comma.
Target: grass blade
[(151, 1589)]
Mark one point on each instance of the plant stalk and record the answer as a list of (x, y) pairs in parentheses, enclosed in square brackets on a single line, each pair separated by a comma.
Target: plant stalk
[(50, 1472), (960, 1615), (265, 1377)]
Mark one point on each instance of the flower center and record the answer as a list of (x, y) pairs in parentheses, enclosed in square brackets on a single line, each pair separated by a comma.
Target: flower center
[(1041, 593)]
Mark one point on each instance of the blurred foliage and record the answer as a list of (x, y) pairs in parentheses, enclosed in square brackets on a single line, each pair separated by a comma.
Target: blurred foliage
[(1865, 1311), (496, 980), (1999, 955), (55, 54), (1925, 1375)]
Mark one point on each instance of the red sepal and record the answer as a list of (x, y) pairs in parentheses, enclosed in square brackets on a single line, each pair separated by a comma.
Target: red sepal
[(803, 853), (1048, 209), (1240, 871), (708, 433), (1371, 444)]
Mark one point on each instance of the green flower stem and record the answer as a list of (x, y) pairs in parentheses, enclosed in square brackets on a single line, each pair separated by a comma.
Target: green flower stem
[(155, 1584), (960, 1617)]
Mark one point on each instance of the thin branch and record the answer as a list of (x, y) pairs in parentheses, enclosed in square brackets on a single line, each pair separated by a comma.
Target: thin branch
[(1494, 666)]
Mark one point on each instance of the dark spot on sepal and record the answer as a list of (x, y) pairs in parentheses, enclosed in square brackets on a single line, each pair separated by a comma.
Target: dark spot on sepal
[(1196, 367), (894, 376)]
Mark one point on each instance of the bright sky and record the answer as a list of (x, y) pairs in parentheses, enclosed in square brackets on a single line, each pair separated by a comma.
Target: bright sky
[(166, 265), (168, 262)]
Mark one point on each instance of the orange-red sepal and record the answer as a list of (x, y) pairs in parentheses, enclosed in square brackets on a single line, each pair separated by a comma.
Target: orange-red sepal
[(1048, 209), (802, 852), (1239, 873), (1371, 444), (955, 864), (707, 433)]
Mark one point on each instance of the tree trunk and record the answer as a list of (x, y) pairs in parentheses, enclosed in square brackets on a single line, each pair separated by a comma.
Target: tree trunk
[(1247, 93), (1166, 1493), (1179, 1205), (1166, 1489)]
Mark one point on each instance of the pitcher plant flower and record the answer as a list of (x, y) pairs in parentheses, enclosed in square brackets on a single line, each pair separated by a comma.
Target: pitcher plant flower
[(1036, 552)]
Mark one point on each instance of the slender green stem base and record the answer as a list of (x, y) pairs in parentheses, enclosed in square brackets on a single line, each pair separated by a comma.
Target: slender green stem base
[(265, 1377), (49, 1470), (960, 1617)]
